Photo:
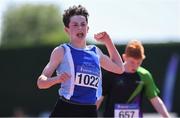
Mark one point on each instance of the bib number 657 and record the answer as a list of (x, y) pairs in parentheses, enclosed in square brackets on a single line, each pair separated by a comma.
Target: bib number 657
[(126, 114)]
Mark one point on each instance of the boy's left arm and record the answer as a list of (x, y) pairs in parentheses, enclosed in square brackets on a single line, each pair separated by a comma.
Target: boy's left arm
[(160, 106), (113, 63), (99, 102)]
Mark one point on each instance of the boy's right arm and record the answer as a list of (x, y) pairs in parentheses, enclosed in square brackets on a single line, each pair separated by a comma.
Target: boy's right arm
[(46, 80)]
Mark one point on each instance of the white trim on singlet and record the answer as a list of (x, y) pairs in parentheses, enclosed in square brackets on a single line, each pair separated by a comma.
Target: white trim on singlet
[(99, 90), (72, 71), (67, 65)]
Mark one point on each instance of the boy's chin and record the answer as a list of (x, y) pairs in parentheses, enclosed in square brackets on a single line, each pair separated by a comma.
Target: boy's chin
[(80, 38), (133, 70)]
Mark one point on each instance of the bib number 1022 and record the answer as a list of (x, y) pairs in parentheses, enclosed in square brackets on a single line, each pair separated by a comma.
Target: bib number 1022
[(87, 80)]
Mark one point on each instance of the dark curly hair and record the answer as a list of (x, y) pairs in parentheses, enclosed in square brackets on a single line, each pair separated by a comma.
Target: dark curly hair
[(74, 10)]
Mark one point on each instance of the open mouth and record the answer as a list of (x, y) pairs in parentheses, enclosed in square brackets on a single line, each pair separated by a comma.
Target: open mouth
[(80, 35)]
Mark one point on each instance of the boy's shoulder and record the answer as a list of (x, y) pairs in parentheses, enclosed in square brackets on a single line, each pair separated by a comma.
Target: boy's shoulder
[(59, 49), (141, 70)]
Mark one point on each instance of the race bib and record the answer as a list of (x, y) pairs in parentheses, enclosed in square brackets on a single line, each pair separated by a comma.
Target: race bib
[(87, 80), (126, 111)]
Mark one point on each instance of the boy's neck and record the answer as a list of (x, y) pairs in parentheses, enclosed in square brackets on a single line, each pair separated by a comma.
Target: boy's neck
[(81, 45)]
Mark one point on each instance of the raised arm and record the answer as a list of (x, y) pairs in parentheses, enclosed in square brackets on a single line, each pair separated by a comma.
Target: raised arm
[(46, 80), (114, 62)]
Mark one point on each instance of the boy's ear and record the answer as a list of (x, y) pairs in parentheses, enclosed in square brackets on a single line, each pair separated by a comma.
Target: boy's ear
[(124, 57), (66, 30), (88, 29)]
